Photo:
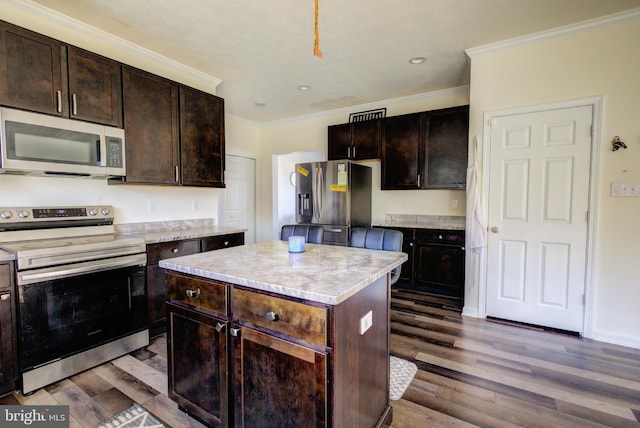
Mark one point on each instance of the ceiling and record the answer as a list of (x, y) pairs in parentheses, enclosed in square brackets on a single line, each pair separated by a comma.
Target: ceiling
[(262, 50)]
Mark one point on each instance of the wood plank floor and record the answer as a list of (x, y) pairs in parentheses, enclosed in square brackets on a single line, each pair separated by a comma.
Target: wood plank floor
[(470, 373), (475, 372)]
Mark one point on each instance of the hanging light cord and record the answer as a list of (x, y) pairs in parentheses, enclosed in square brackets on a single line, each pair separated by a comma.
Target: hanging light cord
[(316, 46)]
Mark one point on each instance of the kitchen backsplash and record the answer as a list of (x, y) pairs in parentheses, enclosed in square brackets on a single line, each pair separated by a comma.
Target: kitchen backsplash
[(158, 226)]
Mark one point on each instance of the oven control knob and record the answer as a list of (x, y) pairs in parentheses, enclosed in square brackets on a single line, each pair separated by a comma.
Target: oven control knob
[(23, 214), (105, 211), (93, 211), (6, 214)]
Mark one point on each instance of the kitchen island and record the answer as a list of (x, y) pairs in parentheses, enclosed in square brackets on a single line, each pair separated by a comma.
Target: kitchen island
[(259, 336)]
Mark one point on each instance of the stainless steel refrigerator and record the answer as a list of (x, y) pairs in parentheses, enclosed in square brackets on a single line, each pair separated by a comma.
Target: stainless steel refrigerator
[(334, 194)]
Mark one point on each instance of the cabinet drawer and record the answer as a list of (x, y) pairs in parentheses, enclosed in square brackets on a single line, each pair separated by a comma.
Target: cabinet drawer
[(208, 295), (283, 316), (167, 250), (222, 241), (440, 236)]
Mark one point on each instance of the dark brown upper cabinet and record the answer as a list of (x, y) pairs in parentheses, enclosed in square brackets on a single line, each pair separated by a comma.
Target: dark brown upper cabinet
[(151, 127), (401, 152), (202, 146), (426, 150), (174, 134), (357, 140), (45, 75)]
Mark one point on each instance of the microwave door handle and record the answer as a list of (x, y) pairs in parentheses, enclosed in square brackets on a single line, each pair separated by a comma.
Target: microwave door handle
[(98, 154)]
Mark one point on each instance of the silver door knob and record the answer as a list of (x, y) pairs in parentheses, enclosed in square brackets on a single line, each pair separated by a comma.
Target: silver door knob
[(495, 229)]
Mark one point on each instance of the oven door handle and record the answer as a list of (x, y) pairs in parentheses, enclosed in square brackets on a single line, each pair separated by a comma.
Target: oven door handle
[(81, 268)]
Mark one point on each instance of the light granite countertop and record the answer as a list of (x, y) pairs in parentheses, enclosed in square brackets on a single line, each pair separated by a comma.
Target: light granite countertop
[(154, 237), (423, 221), (323, 273), (175, 230), (6, 256)]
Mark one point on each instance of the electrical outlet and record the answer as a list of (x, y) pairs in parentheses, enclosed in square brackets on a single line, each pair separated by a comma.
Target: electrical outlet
[(366, 322), (195, 205), (153, 206), (454, 203), (625, 189)]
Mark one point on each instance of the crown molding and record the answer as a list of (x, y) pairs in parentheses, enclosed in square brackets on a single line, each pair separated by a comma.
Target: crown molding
[(85, 30), (555, 33), (464, 90)]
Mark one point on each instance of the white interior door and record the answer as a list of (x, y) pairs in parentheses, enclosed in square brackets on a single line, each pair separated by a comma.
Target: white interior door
[(538, 204), (237, 204)]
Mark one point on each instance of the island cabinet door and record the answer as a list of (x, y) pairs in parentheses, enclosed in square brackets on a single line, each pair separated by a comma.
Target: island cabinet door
[(197, 364), (277, 383)]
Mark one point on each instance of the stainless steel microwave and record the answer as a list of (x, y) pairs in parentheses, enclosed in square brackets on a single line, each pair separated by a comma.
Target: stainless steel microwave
[(42, 145)]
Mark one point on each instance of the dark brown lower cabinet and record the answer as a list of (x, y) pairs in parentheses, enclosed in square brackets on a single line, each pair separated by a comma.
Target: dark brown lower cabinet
[(8, 330), (277, 383), (197, 364), (289, 363)]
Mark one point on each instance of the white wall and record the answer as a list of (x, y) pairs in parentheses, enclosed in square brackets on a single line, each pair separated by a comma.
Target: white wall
[(604, 62)]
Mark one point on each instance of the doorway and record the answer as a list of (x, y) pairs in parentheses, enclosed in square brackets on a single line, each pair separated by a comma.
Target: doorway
[(237, 202), (540, 191)]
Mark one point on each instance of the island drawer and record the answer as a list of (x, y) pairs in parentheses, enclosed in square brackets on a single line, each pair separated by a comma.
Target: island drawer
[(283, 316), (200, 293), (168, 250)]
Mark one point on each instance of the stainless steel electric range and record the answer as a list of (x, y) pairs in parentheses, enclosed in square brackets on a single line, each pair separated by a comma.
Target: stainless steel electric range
[(81, 290)]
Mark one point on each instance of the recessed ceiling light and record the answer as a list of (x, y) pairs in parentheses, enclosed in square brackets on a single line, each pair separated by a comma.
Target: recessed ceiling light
[(260, 103), (304, 87), (417, 60)]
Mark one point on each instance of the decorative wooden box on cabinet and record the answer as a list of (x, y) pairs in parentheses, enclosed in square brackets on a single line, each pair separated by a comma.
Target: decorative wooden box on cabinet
[(357, 140), (45, 75), (426, 150), (8, 330)]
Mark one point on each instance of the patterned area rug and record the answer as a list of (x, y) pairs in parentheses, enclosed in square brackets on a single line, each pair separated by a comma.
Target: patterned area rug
[(134, 417), (402, 373)]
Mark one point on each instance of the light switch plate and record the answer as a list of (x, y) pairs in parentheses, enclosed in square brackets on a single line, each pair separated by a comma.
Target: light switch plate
[(625, 189), (366, 322)]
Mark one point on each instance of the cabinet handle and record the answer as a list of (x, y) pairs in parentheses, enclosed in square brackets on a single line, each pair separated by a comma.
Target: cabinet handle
[(193, 293), (177, 172), (59, 99), (272, 316), (354, 151), (411, 244), (348, 152), (235, 332), (226, 243), (5, 296), (74, 105), (174, 250), (418, 180), (219, 327)]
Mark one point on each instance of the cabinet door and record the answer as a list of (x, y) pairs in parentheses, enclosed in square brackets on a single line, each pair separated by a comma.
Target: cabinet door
[(365, 137), (339, 141), (439, 269), (95, 87), (277, 383), (33, 76), (447, 135), (202, 146), (197, 364), (401, 150), (8, 369), (151, 127), (156, 278)]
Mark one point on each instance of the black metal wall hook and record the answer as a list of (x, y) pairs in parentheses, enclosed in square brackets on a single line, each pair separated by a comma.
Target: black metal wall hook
[(617, 143)]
